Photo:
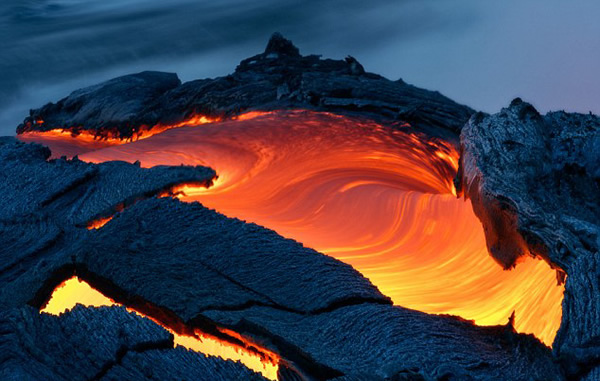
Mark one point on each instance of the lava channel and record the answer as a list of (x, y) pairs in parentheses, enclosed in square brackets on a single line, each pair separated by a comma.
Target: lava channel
[(376, 197), (74, 291)]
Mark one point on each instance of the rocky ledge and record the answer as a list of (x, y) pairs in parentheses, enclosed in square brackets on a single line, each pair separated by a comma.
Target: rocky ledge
[(101, 344)]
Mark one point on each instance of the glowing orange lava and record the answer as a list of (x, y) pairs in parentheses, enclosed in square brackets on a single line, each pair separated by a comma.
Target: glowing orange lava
[(97, 224), (74, 291), (378, 198), (63, 142)]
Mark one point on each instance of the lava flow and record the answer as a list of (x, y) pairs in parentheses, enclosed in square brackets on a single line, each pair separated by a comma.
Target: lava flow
[(75, 291), (376, 197)]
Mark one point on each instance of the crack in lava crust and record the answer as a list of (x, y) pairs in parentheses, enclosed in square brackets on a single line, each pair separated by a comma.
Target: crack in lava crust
[(378, 198), (74, 291)]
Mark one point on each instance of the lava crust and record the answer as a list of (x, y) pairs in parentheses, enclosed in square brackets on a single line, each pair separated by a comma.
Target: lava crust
[(100, 344)]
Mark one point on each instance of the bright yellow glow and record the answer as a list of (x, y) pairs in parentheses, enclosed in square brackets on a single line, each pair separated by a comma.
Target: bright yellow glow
[(74, 291)]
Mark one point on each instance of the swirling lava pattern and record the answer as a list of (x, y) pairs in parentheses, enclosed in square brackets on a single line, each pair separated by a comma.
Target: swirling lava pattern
[(378, 198)]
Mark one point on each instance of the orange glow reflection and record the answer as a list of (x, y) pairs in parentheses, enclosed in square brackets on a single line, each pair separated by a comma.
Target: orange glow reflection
[(74, 291), (377, 198)]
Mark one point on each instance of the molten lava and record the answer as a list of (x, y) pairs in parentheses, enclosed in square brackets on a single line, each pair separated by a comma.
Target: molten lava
[(378, 198), (74, 291), (100, 222), (67, 144), (73, 141)]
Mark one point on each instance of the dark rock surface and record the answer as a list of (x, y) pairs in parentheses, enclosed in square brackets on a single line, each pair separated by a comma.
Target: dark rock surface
[(279, 78), (250, 265), (47, 204), (114, 103), (191, 267), (100, 344), (535, 184), (376, 342), (76, 192), (177, 364)]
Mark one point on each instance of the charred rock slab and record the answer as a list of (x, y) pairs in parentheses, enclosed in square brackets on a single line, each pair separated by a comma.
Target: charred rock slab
[(75, 192), (100, 344), (31, 252), (535, 184), (183, 252), (115, 104), (177, 364), (279, 78), (47, 205)]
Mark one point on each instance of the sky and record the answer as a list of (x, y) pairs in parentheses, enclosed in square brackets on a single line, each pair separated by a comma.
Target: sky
[(482, 53)]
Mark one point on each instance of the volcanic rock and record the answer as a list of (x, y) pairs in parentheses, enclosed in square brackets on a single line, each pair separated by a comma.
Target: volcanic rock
[(112, 104), (381, 342), (250, 265), (535, 184), (47, 205), (100, 344), (279, 45), (177, 364), (279, 78)]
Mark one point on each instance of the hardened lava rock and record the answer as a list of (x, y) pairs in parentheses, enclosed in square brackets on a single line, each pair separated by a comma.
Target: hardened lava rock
[(279, 78), (114, 104), (535, 184), (103, 344)]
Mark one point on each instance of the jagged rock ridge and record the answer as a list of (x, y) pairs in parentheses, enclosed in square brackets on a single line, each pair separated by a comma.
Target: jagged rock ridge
[(279, 78)]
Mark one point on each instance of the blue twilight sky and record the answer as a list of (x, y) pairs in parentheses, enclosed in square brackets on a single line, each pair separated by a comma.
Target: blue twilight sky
[(479, 52)]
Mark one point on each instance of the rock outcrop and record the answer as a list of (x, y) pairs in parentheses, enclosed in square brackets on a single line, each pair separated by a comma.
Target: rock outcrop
[(116, 103), (535, 184), (77, 192), (279, 78)]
